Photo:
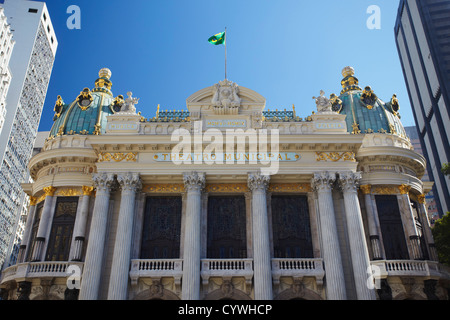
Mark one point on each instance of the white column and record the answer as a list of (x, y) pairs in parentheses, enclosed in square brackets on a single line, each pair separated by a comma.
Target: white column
[(79, 232), (334, 274), (258, 184), (415, 250), (355, 228), (26, 235), (118, 283), (372, 221), (194, 183), (423, 213), (44, 224), (93, 264)]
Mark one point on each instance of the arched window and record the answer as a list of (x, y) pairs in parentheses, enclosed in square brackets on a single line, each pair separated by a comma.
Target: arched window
[(62, 229)]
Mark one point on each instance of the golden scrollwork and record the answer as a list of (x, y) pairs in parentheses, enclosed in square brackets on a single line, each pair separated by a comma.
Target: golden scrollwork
[(163, 188), (335, 156), (385, 190), (68, 192), (289, 187), (366, 189), (87, 190), (49, 191), (227, 187), (117, 157)]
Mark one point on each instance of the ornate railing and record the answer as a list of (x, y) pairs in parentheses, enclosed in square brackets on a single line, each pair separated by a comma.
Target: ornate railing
[(40, 269), (410, 268), (297, 268), (158, 268)]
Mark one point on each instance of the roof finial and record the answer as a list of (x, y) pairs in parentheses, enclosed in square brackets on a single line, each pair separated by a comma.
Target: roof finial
[(105, 73)]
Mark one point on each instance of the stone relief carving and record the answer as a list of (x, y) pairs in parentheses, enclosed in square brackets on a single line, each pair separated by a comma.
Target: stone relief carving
[(226, 98)]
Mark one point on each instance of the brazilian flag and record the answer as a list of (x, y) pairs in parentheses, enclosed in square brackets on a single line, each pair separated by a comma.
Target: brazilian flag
[(217, 39)]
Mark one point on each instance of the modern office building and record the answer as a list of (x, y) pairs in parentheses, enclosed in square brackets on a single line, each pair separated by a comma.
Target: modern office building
[(31, 64), (433, 213), (6, 48), (422, 33), (227, 200)]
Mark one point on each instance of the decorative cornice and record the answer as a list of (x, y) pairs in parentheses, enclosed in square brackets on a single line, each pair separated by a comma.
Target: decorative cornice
[(258, 181)]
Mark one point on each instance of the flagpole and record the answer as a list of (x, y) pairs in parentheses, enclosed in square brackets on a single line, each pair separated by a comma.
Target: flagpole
[(225, 53)]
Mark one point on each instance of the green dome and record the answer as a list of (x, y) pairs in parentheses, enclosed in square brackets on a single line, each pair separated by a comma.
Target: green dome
[(87, 114), (366, 113)]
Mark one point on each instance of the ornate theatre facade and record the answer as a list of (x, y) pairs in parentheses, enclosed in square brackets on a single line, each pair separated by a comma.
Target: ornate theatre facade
[(227, 200)]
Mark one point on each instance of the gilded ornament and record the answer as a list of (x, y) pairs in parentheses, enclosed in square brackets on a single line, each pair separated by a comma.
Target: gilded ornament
[(421, 198), (404, 188), (33, 201), (117, 157), (49, 191), (222, 187), (387, 190), (58, 108), (290, 187), (68, 192), (366, 189), (163, 188), (335, 156), (87, 190)]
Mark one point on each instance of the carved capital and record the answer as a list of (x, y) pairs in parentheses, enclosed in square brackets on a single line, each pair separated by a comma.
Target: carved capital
[(404, 188), (349, 181), (129, 181), (49, 191), (258, 181), (194, 181), (103, 181), (322, 181), (87, 191)]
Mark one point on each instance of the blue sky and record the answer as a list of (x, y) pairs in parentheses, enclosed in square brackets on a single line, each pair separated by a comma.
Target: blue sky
[(286, 50)]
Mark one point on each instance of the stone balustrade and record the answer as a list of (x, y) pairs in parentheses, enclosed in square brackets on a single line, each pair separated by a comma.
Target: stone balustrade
[(297, 268), (39, 269), (409, 268)]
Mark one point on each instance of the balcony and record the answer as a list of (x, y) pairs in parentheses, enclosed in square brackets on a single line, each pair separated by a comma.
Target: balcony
[(29, 270), (160, 268), (409, 268), (297, 268)]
